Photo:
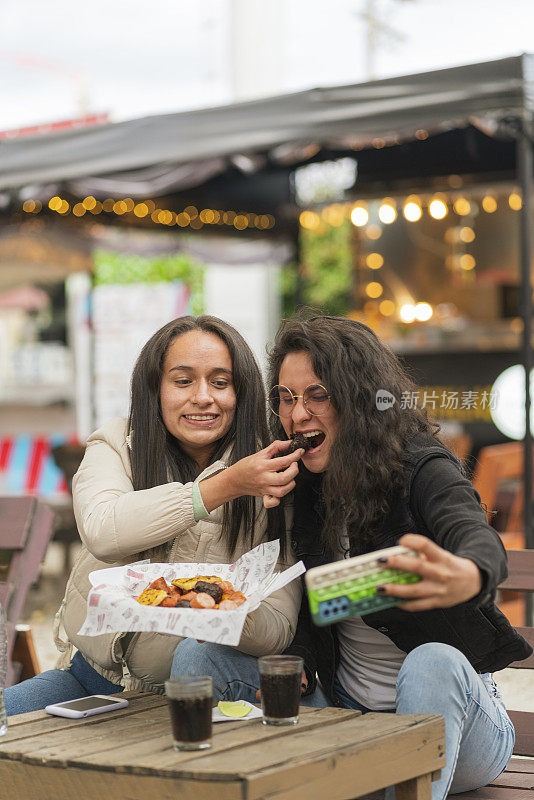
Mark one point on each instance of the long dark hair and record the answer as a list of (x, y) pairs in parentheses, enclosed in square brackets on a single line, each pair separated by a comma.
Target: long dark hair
[(365, 470), (156, 456)]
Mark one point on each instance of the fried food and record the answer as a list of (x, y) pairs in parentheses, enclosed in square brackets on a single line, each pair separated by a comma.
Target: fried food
[(213, 589), (299, 441), (204, 591), (151, 597), (186, 584), (202, 600)]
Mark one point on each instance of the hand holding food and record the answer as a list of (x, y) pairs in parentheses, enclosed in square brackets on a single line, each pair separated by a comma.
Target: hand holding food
[(298, 442)]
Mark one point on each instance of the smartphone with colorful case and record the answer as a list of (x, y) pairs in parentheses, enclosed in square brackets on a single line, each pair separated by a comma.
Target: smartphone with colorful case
[(347, 588)]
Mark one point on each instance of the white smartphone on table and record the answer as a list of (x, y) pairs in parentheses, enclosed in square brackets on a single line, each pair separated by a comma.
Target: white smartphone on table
[(86, 706)]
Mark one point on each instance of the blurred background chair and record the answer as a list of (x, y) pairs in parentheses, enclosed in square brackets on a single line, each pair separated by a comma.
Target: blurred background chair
[(26, 527), (498, 478), (68, 458)]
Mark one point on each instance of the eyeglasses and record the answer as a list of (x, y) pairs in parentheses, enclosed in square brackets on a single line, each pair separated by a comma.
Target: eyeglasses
[(315, 398)]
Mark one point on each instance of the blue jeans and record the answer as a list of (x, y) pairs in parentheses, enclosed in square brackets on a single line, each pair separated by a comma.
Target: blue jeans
[(57, 686), (434, 679)]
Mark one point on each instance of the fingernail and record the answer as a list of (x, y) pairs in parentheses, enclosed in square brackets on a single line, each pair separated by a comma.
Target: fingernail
[(382, 560), (380, 589)]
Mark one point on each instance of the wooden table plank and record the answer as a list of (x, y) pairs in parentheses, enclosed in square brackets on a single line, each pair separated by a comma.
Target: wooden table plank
[(359, 766), (332, 753), (20, 781)]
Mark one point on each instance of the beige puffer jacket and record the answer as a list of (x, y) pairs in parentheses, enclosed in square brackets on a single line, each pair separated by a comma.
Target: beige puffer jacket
[(118, 526)]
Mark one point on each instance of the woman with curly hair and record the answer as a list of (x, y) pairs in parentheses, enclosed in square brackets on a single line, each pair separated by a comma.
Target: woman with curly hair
[(375, 475)]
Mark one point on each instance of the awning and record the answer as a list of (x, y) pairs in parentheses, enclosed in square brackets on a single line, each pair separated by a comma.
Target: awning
[(172, 152)]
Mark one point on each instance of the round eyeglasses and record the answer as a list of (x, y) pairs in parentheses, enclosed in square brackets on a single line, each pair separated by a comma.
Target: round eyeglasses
[(315, 398)]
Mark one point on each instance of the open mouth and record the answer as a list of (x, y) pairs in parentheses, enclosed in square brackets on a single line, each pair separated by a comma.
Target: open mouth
[(313, 439)]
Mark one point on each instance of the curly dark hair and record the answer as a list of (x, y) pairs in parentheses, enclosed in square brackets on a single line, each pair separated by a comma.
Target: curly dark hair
[(156, 456), (365, 471)]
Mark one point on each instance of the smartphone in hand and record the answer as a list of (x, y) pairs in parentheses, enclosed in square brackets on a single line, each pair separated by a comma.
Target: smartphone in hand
[(86, 706)]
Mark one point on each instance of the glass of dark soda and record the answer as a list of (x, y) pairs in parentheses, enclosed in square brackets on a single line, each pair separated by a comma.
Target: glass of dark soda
[(190, 701), (280, 683)]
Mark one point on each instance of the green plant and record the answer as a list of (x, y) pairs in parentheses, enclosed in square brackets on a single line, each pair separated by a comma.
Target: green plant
[(118, 268), (326, 271)]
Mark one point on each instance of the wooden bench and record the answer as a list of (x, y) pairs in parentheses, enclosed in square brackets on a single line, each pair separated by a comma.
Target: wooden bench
[(517, 781), (26, 526)]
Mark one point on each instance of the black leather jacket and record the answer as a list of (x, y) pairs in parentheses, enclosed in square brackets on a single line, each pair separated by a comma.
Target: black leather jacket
[(443, 505)]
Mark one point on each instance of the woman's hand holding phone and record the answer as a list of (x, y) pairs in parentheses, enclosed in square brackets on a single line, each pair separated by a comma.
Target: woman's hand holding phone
[(447, 579)]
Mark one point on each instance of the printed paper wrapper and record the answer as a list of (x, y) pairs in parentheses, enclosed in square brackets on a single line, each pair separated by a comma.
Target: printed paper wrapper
[(111, 604)]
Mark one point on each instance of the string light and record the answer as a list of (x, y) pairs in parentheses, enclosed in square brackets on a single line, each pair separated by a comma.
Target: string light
[(437, 209), (374, 260), (309, 220), (374, 289), (515, 202), (387, 308), (467, 235), (423, 311), (467, 261), (387, 212), (89, 203), (462, 206), (373, 232), (489, 204), (407, 312), (141, 210), (412, 211), (359, 216)]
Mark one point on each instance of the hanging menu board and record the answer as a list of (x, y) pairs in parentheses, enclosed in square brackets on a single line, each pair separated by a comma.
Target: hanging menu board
[(124, 318)]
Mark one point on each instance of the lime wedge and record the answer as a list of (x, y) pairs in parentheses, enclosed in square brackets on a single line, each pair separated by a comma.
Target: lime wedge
[(233, 709)]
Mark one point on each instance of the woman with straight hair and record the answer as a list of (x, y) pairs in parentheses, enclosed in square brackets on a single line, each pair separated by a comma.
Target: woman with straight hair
[(180, 480), (375, 475)]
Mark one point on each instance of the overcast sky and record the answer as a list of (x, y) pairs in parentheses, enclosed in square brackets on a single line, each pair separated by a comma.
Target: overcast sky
[(131, 58)]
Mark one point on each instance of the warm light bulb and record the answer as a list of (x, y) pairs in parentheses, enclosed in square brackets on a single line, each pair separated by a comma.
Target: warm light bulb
[(309, 220), (423, 311), (412, 211), (374, 260), (373, 232), (515, 201), (467, 234), (374, 289), (141, 210), (462, 206), (387, 308), (387, 213), (489, 204), (437, 209), (359, 216), (467, 261), (407, 312)]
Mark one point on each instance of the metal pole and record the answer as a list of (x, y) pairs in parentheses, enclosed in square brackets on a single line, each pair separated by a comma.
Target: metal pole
[(524, 164)]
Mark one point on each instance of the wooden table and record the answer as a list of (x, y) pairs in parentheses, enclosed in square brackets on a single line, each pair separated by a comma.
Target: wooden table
[(332, 754)]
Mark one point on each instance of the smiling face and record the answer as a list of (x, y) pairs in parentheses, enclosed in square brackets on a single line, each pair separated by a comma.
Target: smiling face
[(297, 374), (197, 393)]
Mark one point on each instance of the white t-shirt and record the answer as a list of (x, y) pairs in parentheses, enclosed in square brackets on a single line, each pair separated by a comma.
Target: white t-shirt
[(369, 662)]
